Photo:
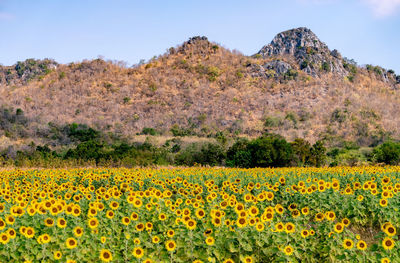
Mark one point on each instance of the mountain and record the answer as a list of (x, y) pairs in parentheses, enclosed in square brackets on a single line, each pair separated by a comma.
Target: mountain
[(311, 54), (295, 86)]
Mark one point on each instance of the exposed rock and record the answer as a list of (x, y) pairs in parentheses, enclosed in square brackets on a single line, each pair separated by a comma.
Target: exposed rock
[(312, 55), (24, 71), (280, 67), (198, 45)]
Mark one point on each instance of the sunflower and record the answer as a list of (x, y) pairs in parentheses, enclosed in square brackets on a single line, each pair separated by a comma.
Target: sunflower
[(210, 241), (71, 243), (279, 209), (241, 222), (288, 250), (279, 227), (4, 238), (57, 255), (45, 238), (208, 232), (155, 239), (361, 245), (49, 222), (305, 210), (29, 232), (136, 241), (103, 240), (290, 228), (10, 220), (346, 222), (248, 259), (170, 233), (388, 243), (93, 223), (390, 230), (191, 224), (140, 227), (383, 202), (2, 224), (348, 243), (385, 260), (105, 255), (162, 217), (260, 227), (110, 214), (114, 205), (330, 215), (125, 220), (319, 217), (78, 231), (61, 223), (200, 213), (170, 245), (253, 211), (339, 227), (134, 216), (304, 233), (228, 261)]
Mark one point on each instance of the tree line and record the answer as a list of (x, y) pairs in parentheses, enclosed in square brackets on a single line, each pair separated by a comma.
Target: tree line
[(91, 148)]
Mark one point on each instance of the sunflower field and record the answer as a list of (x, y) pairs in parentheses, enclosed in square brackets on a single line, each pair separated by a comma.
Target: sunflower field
[(197, 214)]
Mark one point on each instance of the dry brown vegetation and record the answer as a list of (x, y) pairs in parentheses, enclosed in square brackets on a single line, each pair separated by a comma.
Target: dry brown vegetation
[(207, 88)]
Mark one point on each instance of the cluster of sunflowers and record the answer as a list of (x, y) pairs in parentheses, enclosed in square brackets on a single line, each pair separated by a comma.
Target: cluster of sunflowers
[(198, 215)]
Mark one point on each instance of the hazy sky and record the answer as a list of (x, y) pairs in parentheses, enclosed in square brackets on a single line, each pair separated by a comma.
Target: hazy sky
[(72, 30)]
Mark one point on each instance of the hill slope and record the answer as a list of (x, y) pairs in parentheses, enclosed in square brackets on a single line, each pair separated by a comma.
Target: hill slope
[(294, 86)]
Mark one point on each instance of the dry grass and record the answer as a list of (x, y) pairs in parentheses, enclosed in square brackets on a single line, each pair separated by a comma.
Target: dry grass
[(178, 88)]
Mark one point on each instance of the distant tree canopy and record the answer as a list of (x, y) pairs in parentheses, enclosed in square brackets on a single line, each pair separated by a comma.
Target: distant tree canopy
[(91, 146), (271, 150)]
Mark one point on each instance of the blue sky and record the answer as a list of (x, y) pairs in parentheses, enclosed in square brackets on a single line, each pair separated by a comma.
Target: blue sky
[(73, 30)]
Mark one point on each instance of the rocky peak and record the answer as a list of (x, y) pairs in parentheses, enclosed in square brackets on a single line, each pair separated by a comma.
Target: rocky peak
[(198, 45), (312, 55)]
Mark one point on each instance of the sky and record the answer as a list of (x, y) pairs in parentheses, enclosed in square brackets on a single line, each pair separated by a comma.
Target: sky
[(367, 31)]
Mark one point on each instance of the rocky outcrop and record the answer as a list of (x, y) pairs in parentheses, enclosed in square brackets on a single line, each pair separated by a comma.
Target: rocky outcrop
[(312, 55), (198, 45), (24, 71), (280, 67)]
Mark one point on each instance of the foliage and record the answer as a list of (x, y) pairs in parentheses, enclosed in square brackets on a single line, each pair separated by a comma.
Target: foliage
[(149, 131), (338, 214), (388, 152)]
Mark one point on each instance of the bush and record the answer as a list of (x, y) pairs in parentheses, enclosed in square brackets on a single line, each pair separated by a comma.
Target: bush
[(318, 154), (238, 155), (304, 64), (213, 73), (301, 152), (180, 131), (388, 153), (88, 150), (149, 131), (326, 66), (204, 154), (270, 150), (81, 132)]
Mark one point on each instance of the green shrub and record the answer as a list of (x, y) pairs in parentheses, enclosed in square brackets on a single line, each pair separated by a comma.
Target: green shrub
[(301, 152), (149, 131), (270, 150), (388, 153), (326, 66), (213, 72), (238, 155)]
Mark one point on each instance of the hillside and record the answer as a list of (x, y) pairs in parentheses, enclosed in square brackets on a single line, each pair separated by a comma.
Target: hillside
[(295, 86)]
